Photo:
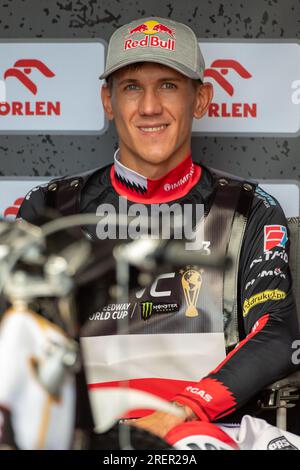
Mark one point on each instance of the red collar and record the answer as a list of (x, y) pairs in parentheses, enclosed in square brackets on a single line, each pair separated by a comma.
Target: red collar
[(137, 188)]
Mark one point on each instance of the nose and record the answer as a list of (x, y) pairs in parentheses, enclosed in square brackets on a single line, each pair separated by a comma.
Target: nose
[(150, 103)]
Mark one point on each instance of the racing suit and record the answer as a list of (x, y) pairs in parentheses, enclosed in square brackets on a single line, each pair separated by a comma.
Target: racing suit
[(266, 307)]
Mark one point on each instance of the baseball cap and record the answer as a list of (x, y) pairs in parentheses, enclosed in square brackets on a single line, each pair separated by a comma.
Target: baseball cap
[(158, 40)]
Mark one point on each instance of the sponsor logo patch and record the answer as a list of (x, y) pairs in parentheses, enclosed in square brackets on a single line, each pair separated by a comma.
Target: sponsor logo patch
[(111, 312), (202, 393), (281, 443), (270, 256), (271, 272), (274, 235), (150, 308), (151, 29), (171, 186), (191, 282), (262, 297), (265, 197)]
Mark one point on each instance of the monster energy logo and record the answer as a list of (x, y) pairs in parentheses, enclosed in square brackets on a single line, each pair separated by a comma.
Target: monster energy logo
[(149, 308), (146, 310)]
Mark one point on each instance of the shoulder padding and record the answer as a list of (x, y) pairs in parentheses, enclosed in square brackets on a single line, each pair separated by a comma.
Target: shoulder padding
[(79, 179), (220, 174)]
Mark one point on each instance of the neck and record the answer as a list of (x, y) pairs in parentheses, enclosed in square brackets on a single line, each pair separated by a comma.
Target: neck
[(170, 186), (149, 169)]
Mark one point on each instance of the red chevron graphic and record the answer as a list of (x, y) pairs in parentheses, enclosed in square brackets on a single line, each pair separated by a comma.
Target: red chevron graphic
[(225, 65), (28, 65)]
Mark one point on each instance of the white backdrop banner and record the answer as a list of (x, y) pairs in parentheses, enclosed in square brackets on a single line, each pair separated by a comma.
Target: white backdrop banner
[(256, 87), (51, 86), (286, 192)]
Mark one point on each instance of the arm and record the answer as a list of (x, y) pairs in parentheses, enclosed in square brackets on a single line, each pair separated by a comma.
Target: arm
[(268, 311), (33, 206)]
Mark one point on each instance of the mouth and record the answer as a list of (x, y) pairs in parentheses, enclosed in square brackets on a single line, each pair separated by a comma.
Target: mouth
[(154, 129)]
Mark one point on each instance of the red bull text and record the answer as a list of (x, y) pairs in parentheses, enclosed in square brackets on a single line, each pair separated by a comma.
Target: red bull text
[(150, 41)]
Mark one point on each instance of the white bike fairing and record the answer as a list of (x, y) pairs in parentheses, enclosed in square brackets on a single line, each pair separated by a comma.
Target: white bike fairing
[(250, 434), (31, 349)]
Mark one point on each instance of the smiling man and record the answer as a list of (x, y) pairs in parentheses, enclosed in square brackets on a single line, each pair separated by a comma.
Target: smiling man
[(153, 107), (154, 89)]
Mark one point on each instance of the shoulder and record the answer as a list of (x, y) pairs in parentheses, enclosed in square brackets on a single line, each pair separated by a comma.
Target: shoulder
[(266, 206), (36, 200), (267, 222), (33, 204), (261, 197), (214, 175), (83, 178), (263, 202)]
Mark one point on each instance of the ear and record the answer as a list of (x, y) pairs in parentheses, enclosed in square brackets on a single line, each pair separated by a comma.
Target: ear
[(205, 93), (106, 101)]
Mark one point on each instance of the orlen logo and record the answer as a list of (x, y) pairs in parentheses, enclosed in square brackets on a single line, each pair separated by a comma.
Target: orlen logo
[(150, 29), (11, 211), (20, 71), (217, 70), (27, 66)]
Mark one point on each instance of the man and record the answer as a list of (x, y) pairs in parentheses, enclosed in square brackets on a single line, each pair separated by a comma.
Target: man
[(154, 89)]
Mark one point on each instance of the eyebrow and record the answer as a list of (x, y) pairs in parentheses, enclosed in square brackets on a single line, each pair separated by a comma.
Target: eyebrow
[(134, 80), (128, 80)]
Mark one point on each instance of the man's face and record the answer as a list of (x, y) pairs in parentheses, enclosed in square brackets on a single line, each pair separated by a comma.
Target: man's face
[(153, 107)]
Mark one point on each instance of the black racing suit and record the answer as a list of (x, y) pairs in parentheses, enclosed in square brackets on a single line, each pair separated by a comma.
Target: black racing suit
[(269, 321)]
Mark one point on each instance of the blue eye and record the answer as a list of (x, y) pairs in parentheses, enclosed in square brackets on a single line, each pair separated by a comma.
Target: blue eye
[(131, 87), (168, 85)]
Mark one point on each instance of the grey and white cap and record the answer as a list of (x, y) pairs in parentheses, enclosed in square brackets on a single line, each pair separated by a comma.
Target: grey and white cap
[(158, 40)]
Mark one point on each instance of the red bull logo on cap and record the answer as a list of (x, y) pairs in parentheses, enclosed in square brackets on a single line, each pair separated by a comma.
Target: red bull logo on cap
[(150, 29)]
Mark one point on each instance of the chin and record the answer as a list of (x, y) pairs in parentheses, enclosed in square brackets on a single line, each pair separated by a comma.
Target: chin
[(156, 159)]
